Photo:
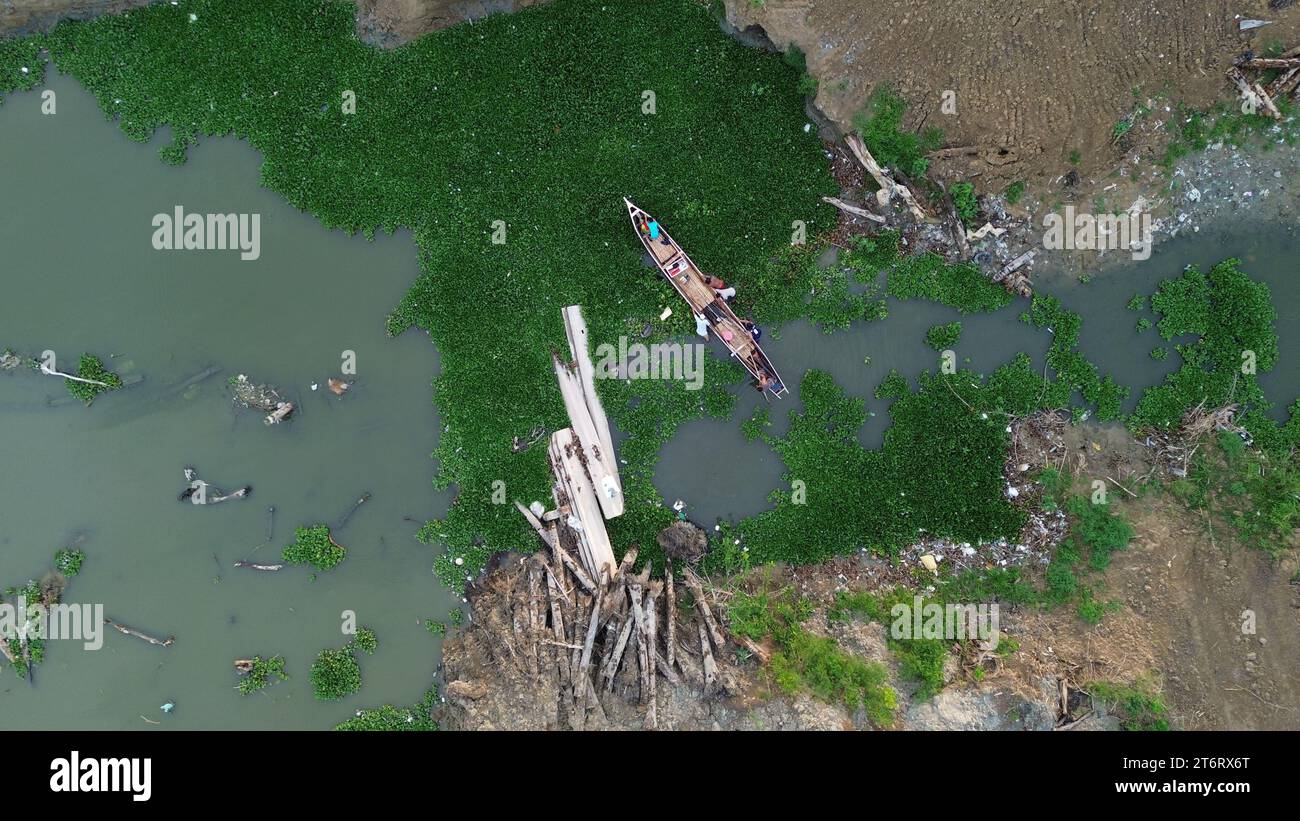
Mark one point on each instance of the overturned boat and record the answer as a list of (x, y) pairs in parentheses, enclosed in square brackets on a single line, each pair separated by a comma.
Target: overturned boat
[(689, 281)]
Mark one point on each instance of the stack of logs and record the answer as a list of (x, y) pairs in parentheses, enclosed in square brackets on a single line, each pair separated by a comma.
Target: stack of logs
[(594, 628), (1286, 82)]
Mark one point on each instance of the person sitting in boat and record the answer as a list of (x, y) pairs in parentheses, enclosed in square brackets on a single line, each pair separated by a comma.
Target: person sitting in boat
[(719, 287), (753, 329), (656, 233)]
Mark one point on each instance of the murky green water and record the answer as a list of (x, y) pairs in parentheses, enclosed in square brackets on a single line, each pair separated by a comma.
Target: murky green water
[(80, 274), (721, 476)]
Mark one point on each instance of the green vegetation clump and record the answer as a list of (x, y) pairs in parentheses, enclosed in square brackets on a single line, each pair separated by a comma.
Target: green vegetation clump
[(1137, 705), (1143, 324), (313, 545), (966, 203), (366, 640), (68, 561), (90, 367), (16, 55), (260, 676), (1234, 318), (1072, 368), (389, 718), (880, 125), (943, 337), (947, 486), (335, 674), (1137, 303), (1014, 192), (925, 276), (1160, 354), (806, 661), (1256, 491), (1198, 130)]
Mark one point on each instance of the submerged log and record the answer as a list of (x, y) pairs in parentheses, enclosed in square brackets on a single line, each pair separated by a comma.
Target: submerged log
[(252, 566), (122, 628), (365, 497), (852, 209), (281, 412)]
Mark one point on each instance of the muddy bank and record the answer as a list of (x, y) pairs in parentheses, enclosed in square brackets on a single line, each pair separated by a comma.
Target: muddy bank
[(20, 17), (1032, 82), (384, 23), (391, 23)]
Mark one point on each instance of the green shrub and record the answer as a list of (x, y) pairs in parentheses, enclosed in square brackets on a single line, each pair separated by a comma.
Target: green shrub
[(966, 203), (880, 125)]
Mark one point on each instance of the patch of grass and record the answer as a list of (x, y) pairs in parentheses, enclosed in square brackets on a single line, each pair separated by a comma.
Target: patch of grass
[(806, 661), (1014, 192), (881, 125), (966, 203), (1138, 706)]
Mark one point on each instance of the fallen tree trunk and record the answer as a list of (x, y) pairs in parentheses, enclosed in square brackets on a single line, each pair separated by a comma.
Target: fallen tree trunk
[(48, 371), (853, 209), (280, 413), (888, 188), (122, 628)]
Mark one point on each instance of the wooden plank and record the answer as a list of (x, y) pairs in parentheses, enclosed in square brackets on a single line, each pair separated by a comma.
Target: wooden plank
[(600, 467), (579, 345), (598, 554)]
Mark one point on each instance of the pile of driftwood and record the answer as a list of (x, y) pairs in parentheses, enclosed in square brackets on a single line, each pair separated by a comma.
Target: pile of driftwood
[(265, 398), (1172, 451), (1257, 96), (591, 629)]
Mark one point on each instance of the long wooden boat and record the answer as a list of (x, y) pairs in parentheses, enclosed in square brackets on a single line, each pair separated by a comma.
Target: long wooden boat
[(688, 280)]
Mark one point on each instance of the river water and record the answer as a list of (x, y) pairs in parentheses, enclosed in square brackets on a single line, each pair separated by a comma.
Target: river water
[(80, 274)]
